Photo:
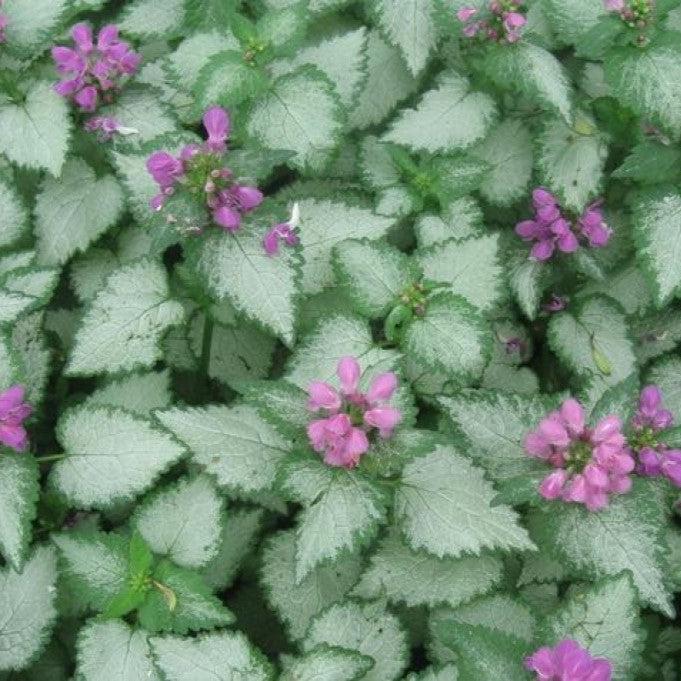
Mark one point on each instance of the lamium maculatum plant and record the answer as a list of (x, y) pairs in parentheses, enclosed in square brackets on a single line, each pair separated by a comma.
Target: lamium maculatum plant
[(339, 340)]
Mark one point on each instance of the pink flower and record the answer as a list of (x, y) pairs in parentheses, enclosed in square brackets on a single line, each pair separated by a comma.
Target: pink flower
[(594, 227), (650, 413), (91, 71), (342, 437), (233, 203), (284, 231), (590, 463), (556, 304), (13, 412), (164, 168), (614, 5), (568, 661), (4, 22), (671, 466), (217, 124), (465, 14)]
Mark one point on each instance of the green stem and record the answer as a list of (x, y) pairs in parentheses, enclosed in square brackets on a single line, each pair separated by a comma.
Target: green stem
[(51, 457), (206, 342)]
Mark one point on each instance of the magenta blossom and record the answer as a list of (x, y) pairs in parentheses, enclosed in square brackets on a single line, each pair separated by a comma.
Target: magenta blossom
[(13, 412), (552, 231), (199, 169), (106, 127), (93, 71), (342, 436), (3, 25), (568, 661), (284, 231), (650, 413), (614, 5), (589, 463), (502, 22), (556, 303)]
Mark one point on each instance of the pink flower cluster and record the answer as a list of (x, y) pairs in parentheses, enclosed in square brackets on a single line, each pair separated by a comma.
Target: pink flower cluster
[(503, 23), (284, 231), (568, 661), (13, 412), (590, 463), (350, 414), (636, 13), (93, 71), (199, 168), (654, 457), (551, 230), (3, 25)]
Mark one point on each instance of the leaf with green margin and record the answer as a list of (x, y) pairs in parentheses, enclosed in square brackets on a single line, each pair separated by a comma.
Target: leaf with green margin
[(666, 373), (342, 510), (447, 118), (35, 133), (444, 505), (220, 656), (110, 455), (657, 233), (300, 113), (603, 618), (140, 393), (650, 162), (571, 164), (31, 24), (148, 19), (461, 219), (527, 278), (73, 211), (417, 578), (295, 602), (368, 629), (27, 603), (572, 19), (19, 488), (628, 535), (24, 289), (233, 443), (620, 399), (13, 214), (328, 663), (374, 274), (452, 336)]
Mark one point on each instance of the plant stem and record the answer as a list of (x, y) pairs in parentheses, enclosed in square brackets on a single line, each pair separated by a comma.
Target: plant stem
[(206, 342), (51, 457)]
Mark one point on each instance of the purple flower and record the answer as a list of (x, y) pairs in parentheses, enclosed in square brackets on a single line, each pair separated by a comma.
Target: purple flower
[(4, 22), (568, 661), (465, 14), (13, 412), (164, 168), (671, 466), (284, 231), (234, 202), (650, 413), (590, 463), (342, 436), (614, 5), (91, 71), (217, 124), (594, 227), (556, 303)]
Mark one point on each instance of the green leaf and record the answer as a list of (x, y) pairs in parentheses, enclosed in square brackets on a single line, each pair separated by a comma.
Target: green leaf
[(368, 629), (95, 565), (374, 274), (417, 578), (447, 118), (111, 456), (378, 166), (25, 289), (323, 224), (228, 79), (73, 211), (570, 163), (493, 427), (27, 604), (122, 328), (532, 71), (410, 26), (592, 339), (342, 510), (526, 277), (483, 654), (30, 346), (650, 162), (666, 373), (140, 555), (183, 522), (572, 19), (194, 606), (329, 664), (148, 19), (446, 673), (19, 488), (625, 536), (462, 218), (261, 286), (35, 133), (341, 58), (13, 215), (388, 83), (140, 393), (471, 267), (605, 620), (233, 443), (451, 337), (31, 24), (295, 602), (649, 81), (209, 13), (114, 651), (444, 505), (237, 540), (222, 656), (657, 233), (301, 113), (627, 286)]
